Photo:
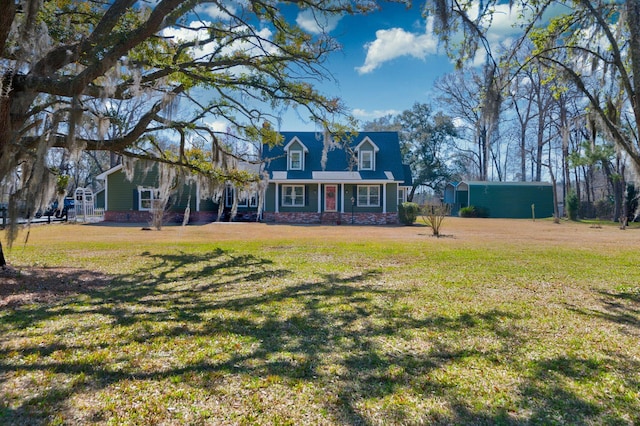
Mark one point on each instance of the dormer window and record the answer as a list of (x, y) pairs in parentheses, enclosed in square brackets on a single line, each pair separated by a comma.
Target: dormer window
[(367, 154), (296, 151), (365, 160), (295, 159)]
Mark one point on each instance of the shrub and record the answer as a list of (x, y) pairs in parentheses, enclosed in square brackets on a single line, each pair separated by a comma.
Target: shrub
[(587, 210), (573, 203), (473, 211), (433, 216), (604, 209), (408, 213)]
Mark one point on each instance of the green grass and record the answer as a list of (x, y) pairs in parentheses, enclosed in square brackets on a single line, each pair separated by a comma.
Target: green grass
[(295, 331)]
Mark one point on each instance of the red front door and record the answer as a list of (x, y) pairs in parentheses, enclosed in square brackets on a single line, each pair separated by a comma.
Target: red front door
[(330, 198)]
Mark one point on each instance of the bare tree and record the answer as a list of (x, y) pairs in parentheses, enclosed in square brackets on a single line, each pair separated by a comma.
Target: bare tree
[(591, 45)]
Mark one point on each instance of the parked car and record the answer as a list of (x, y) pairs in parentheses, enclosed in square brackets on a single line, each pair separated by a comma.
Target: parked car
[(53, 209)]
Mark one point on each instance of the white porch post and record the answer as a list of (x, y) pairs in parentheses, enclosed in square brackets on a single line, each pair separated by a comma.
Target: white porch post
[(197, 198), (277, 209), (319, 198), (342, 198), (384, 198)]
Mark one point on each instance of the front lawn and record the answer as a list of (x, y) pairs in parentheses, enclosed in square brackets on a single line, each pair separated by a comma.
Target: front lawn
[(500, 322)]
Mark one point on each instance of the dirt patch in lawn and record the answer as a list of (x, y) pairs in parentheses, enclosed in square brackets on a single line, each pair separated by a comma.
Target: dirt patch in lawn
[(45, 285)]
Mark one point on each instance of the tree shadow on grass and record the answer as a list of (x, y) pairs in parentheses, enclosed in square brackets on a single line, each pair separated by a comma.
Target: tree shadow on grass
[(241, 318)]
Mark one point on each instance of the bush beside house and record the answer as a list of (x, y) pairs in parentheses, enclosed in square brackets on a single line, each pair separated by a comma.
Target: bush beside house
[(408, 213)]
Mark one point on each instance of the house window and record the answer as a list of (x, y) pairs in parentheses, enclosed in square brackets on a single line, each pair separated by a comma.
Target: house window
[(295, 160), (228, 198), (146, 197), (252, 201), (293, 195), (401, 195), (365, 160), (368, 196)]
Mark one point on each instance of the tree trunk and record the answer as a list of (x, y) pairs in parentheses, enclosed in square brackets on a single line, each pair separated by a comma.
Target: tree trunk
[(633, 20), (3, 262)]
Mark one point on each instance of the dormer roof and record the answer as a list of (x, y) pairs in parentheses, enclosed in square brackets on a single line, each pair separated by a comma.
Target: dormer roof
[(366, 140), (292, 142)]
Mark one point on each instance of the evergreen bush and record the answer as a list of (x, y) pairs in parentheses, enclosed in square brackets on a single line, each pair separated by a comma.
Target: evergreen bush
[(573, 204), (473, 211), (408, 213)]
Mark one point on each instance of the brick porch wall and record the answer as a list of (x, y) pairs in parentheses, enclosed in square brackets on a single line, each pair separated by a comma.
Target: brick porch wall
[(131, 216), (135, 216), (332, 218)]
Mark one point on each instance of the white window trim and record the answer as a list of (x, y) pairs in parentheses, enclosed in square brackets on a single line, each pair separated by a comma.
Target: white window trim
[(153, 191), (284, 196), (402, 194), (230, 194), (361, 155), (300, 152), (368, 204)]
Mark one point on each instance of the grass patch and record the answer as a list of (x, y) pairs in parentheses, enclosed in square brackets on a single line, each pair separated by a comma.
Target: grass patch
[(314, 325)]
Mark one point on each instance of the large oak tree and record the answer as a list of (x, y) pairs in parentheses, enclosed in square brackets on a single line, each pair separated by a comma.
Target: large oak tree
[(184, 63)]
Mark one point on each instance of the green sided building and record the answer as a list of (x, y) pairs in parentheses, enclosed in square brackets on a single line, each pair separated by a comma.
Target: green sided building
[(502, 199)]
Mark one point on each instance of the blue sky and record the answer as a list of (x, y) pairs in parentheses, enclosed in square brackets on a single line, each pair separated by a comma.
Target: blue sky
[(388, 62), (389, 59)]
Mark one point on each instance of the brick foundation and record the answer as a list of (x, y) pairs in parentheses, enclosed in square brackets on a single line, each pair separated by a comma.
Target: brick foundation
[(332, 218), (327, 218), (135, 216)]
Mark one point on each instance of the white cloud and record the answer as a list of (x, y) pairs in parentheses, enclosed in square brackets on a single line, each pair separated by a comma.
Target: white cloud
[(198, 31), (396, 42), (218, 126), (216, 12), (370, 115), (316, 23)]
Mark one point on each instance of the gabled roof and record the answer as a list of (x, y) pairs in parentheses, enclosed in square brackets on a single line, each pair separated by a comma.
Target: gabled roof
[(408, 178), (376, 148), (293, 141), (103, 175), (389, 165)]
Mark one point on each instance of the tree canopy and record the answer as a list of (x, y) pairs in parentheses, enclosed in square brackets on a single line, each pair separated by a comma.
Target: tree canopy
[(179, 65), (591, 45), (425, 140)]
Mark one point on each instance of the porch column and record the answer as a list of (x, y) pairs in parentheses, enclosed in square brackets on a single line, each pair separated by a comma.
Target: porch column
[(342, 198), (319, 197), (384, 198), (197, 198), (277, 209)]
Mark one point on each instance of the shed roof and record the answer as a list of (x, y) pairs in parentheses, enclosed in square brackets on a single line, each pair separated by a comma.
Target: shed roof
[(497, 183)]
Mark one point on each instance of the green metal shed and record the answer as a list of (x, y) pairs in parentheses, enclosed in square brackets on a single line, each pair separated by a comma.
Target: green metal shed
[(503, 199)]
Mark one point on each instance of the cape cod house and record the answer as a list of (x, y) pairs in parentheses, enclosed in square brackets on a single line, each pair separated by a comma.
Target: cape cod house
[(306, 184), (309, 183)]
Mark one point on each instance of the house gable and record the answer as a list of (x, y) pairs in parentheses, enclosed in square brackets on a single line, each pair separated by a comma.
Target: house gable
[(366, 152), (296, 153)]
